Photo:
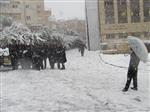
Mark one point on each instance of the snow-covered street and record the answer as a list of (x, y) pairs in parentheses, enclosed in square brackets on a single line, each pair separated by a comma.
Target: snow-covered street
[(87, 85)]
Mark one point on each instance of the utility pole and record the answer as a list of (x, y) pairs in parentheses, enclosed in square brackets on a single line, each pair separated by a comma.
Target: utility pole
[(92, 20), (87, 26)]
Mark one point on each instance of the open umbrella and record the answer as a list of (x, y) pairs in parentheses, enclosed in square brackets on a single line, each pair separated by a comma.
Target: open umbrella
[(138, 47)]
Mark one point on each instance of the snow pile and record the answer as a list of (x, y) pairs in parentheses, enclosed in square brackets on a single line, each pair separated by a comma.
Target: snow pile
[(87, 85)]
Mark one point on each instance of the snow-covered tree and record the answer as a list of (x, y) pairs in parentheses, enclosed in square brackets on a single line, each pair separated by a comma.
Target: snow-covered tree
[(17, 33)]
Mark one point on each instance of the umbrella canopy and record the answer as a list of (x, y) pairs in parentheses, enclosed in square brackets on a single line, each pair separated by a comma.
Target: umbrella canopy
[(138, 47)]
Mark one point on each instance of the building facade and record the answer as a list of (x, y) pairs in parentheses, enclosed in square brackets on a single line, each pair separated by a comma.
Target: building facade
[(121, 18), (28, 12)]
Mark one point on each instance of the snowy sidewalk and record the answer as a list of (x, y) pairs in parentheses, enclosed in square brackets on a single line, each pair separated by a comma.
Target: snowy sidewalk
[(87, 85)]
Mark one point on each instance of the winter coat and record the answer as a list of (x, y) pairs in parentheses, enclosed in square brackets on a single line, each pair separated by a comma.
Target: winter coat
[(61, 55), (1, 60), (52, 54), (134, 60), (1, 52), (147, 46), (37, 61)]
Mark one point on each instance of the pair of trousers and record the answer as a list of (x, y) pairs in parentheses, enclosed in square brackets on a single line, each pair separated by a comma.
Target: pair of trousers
[(132, 74)]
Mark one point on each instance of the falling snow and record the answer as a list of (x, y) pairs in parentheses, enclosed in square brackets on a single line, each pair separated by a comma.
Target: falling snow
[(87, 85)]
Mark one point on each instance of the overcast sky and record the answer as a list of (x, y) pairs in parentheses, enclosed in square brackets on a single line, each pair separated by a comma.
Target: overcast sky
[(66, 9)]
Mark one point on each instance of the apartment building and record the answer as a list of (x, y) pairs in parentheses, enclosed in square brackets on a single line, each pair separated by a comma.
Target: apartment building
[(120, 18), (28, 12)]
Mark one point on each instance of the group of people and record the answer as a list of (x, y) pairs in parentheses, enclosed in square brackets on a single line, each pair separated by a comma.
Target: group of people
[(35, 56)]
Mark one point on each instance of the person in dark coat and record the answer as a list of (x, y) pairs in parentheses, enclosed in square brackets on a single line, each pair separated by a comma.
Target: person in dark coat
[(13, 49), (14, 60), (1, 56), (51, 55), (45, 55), (82, 49), (132, 72), (58, 56), (1, 60), (37, 61), (26, 60), (43, 52), (61, 57)]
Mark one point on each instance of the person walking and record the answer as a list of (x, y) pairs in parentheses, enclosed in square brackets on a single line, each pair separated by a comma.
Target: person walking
[(1, 57), (82, 49), (63, 58), (132, 72)]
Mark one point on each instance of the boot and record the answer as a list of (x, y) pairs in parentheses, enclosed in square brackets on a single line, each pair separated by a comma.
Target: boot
[(124, 90), (58, 65), (63, 66), (134, 88)]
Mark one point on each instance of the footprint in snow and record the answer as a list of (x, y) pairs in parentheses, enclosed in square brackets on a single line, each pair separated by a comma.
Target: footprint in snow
[(137, 99)]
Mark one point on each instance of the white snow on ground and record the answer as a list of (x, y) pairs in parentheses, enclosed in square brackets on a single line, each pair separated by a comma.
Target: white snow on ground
[(87, 85)]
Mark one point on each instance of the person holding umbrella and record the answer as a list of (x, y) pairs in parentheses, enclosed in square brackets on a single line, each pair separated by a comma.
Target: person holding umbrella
[(138, 53), (132, 71)]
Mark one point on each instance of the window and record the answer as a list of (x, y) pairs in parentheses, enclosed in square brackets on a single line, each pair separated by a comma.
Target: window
[(27, 6), (135, 11), (110, 36), (146, 10), (14, 6), (123, 35), (28, 18), (109, 12), (122, 11), (136, 34)]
